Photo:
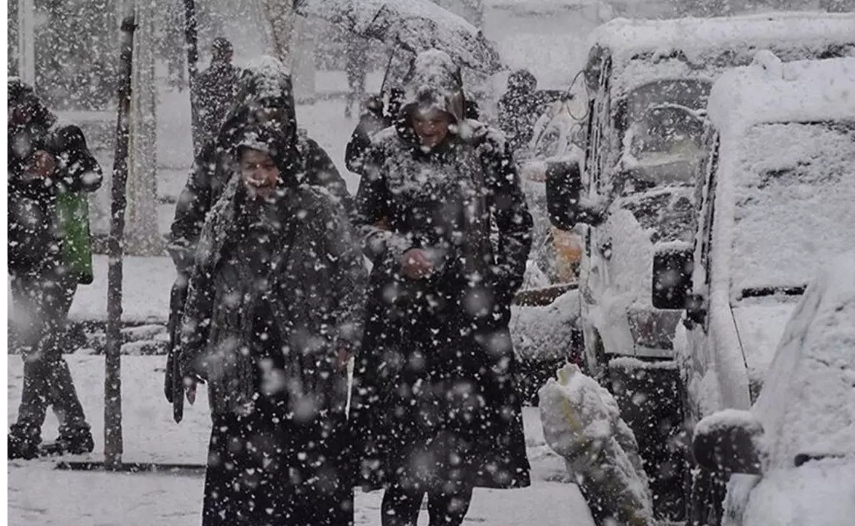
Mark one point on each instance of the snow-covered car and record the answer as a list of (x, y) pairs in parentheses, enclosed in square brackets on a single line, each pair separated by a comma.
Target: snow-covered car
[(634, 198), (791, 458), (776, 204)]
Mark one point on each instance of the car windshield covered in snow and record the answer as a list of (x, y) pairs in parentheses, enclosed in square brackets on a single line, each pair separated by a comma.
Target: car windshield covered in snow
[(663, 137), (794, 200)]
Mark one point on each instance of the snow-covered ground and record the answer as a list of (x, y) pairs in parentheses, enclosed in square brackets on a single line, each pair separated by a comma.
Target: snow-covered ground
[(41, 495)]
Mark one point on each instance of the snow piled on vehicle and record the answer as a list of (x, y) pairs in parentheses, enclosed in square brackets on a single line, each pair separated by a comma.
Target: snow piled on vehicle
[(645, 50), (808, 403), (785, 188), (542, 333), (630, 37), (794, 206), (807, 409)]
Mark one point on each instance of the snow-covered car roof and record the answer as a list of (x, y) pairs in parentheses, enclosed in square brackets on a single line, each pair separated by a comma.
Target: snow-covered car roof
[(627, 37), (807, 405), (771, 91), (704, 47)]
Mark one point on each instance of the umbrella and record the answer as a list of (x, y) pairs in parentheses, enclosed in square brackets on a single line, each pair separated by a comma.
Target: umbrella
[(414, 25)]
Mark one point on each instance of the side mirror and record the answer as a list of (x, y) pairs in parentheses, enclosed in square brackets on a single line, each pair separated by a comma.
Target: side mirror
[(672, 278), (728, 441), (563, 189)]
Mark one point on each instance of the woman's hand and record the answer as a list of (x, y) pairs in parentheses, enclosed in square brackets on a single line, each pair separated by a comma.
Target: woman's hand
[(342, 358), (190, 383), (415, 264)]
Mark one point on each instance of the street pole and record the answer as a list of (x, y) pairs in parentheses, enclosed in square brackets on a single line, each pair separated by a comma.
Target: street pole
[(113, 446), (192, 42)]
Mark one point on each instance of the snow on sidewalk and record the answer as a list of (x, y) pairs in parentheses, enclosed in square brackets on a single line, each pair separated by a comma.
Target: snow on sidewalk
[(146, 281), (41, 495)]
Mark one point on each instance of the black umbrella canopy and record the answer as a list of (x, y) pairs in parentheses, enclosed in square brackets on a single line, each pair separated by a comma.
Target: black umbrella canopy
[(414, 25)]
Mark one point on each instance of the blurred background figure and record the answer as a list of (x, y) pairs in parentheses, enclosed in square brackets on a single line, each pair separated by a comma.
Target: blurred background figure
[(518, 108), (216, 90)]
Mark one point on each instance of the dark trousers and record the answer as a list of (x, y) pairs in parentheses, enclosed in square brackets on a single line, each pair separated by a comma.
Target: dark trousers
[(264, 470), (40, 310), (447, 505)]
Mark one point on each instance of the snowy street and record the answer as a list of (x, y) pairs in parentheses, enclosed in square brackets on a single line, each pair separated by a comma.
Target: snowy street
[(40, 495), (559, 247)]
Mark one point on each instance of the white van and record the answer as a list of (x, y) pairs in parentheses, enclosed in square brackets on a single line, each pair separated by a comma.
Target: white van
[(777, 204)]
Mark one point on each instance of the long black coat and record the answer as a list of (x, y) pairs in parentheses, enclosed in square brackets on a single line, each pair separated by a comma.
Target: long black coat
[(298, 262), (274, 295), (435, 378)]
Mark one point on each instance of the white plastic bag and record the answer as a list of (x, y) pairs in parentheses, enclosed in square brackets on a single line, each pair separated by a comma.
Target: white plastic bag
[(581, 422)]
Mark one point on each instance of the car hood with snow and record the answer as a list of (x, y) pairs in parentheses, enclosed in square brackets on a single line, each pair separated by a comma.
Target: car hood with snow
[(807, 406), (807, 409), (797, 442), (817, 494)]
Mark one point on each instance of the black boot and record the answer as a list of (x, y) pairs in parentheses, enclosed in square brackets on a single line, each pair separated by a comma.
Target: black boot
[(23, 447), (75, 442)]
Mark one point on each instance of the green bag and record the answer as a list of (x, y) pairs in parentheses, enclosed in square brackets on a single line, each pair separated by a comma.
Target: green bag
[(73, 220)]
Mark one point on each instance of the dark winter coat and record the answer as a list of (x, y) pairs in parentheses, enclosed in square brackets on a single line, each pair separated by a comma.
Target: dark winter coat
[(42, 236), (263, 82), (371, 120), (292, 271), (436, 373), (276, 293), (216, 89)]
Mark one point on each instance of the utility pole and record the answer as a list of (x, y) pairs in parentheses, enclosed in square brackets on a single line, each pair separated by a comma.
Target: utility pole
[(191, 39), (113, 443)]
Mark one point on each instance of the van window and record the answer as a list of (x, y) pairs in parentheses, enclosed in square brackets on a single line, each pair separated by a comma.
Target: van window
[(794, 187)]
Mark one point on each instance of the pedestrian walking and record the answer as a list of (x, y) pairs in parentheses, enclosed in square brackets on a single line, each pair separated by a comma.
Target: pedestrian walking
[(50, 170), (265, 97), (216, 89), (273, 314), (446, 226)]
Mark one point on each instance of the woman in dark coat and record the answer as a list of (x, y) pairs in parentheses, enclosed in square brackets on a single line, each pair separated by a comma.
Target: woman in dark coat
[(446, 226), (274, 310), (265, 97)]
